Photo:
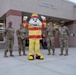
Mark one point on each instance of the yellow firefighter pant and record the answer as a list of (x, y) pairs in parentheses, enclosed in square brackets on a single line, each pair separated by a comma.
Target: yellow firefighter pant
[(34, 46)]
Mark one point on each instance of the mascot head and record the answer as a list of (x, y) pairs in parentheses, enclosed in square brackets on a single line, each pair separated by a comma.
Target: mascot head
[(35, 20)]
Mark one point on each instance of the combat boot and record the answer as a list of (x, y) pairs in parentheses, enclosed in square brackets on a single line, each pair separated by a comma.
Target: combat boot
[(66, 53), (19, 52), (24, 53), (61, 53), (53, 50), (5, 53), (53, 53), (49, 51), (11, 54)]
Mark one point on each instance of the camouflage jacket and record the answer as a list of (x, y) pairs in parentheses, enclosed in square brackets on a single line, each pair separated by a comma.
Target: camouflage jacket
[(64, 32), (50, 32), (9, 32), (21, 33)]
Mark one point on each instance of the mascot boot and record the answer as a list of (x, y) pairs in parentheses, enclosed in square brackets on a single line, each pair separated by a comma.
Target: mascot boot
[(31, 57), (40, 57)]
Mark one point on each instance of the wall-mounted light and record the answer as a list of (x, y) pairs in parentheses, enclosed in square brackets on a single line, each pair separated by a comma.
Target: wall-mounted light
[(72, 34)]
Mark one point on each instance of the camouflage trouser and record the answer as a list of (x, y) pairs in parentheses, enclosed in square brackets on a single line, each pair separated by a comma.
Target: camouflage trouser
[(21, 44), (63, 44), (9, 42), (50, 42)]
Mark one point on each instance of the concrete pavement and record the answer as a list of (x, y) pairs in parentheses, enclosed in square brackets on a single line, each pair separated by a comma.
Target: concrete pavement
[(51, 65)]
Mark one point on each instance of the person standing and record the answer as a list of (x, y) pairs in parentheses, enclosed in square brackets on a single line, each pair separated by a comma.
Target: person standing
[(50, 34), (9, 39), (21, 35), (63, 38)]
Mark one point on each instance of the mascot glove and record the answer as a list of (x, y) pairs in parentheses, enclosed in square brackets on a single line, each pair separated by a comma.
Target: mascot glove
[(43, 18), (25, 17)]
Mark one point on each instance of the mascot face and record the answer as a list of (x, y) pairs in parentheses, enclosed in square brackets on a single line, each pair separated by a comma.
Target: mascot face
[(35, 20)]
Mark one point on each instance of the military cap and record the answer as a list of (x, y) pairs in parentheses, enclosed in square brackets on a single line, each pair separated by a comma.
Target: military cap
[(49, 23), (21, 24), (62, 22), (10, 22)]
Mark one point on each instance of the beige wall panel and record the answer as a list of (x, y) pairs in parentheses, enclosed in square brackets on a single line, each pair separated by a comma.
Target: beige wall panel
[(4, 6), (54, 8)]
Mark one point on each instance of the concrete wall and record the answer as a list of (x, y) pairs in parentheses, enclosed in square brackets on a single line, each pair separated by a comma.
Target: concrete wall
[(55, 8), (72, 27), (75, 12), (72, 39)]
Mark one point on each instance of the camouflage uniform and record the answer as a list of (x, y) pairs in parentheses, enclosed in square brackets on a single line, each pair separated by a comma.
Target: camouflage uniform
[(21, 34), (63, 39), (50, 39), (9, 40)]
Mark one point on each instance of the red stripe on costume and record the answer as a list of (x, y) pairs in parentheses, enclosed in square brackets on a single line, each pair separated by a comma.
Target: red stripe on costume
[(42, 25), (26, 25), (34, 28), (37, 55), (24, 21), (33, 36), (44, 21), (34, 17)]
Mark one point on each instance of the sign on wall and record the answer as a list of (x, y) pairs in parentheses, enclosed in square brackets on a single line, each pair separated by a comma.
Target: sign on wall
[(48, 5)]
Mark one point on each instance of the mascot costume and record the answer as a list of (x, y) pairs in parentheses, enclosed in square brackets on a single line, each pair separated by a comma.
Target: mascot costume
[(35, 30)]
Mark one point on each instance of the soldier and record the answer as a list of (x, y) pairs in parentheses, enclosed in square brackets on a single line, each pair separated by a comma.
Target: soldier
[(21, 35), (9, 39), (50, 33), (63, 38)]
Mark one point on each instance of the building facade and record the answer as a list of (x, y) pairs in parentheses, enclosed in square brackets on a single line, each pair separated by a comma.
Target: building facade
[(54, 10)]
